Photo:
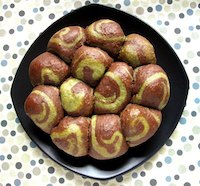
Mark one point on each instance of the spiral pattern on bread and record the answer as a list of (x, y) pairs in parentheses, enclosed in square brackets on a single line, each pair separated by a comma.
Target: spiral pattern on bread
[(106, 34), (66, 41), (151, 87), (139, 123), (48, 69), (107, 140), (114, 90), (71, 135), (137, 51), (76, 97), (89, 64), (97, 106), (43, 106)]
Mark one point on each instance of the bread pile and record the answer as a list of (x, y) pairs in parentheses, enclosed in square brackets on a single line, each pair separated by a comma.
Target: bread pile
[(96, 91)]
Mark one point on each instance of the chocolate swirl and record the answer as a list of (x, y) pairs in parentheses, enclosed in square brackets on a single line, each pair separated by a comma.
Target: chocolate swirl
[(137, 51), (43, 106), (114, 90), (139, 123), (107, 140), (89, 64), (66, 41), (151, 87), (76, 97), (71, 135), (106, 34), (48, 69)]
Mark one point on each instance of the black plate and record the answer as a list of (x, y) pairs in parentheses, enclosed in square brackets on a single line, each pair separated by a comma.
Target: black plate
[(166, 58)]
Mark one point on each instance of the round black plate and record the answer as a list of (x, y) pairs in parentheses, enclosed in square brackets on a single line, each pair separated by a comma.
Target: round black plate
[(166, 58)]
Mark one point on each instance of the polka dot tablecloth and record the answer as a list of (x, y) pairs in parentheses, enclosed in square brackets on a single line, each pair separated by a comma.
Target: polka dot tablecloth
[(23, 163)]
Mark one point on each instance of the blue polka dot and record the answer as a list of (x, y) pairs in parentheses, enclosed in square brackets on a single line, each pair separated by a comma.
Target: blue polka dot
[(19, 43), (3, 79), (183, 138), (5, 7), (197, 100), (3, 123), (35, 10), (4, 63), (182, 121), (198, 163), (32, 144), (168, 160), (17, 120), (195, 85), (20, 28), (17, 182), (191, 28), (158, 8), (168, 179), (2, 157), (2, 139), (49, 184), (65, 12), (159, 22), (33, 162), (96, 1), (189, 11), (127, 2), (177, 46)]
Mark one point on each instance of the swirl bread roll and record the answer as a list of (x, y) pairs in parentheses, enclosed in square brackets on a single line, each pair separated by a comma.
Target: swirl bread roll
[(105, 34), (71, 135), (137, 51), (43, 106), (106, 138), (76, 97), (151, 86), (139, 123), (89, 64), (48, 69), (66, 41), (114, 90)]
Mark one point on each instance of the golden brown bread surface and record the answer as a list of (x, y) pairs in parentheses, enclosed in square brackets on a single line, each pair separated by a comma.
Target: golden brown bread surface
[(71, 135), (139, 123), (76, 97), (66, 41), (101, 106), (105, 34), (48, 69), (106, 138), (89, 64), (151, 86), (114, 90), (43, 106)]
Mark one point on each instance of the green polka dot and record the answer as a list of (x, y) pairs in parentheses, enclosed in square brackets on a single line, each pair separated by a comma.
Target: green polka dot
[(185, 113), (148, 166), (181, 169), (187, 147), (6, 87), (138, 183), (46, 2), (171, 152), (87, 183), (53, 179), (36, 171), (38, 17), (196, 130), (8, 14), (14, 149), (69, 175), (139, 10), (5, 166), (190, 54), (2, 32)]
